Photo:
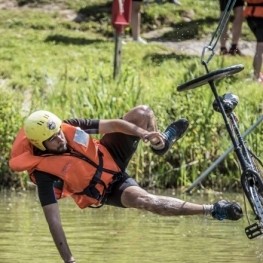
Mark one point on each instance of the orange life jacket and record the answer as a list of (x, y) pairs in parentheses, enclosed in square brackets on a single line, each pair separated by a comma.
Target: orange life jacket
[(86, 172), (254, 8)]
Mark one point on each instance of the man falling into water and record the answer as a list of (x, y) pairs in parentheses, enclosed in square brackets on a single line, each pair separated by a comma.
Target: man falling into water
[(63, 159)]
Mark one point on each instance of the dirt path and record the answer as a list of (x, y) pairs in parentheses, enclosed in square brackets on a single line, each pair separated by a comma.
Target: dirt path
[(193, 46)]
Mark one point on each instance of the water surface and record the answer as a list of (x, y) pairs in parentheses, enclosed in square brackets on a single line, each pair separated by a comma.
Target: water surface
[(116, 235)]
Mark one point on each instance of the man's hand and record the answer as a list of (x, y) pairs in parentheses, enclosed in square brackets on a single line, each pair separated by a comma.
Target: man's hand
[(116, 125), (156, 140)]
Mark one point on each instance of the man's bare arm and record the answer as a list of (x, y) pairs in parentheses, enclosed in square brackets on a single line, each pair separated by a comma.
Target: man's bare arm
[(122, 126), (52, 215)]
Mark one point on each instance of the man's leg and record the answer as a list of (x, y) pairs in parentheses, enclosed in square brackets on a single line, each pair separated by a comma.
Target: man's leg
[(136, 197), (144, 117), (136, 19), (133, 196), (237, 24), (223, 39), (257, 62), (256, 26), (122, 146), (236, 30)]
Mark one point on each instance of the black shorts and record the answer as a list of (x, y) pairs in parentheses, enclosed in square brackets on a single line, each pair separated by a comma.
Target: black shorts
[(256, 26), (121, 147), (223, 4), (114, 197)]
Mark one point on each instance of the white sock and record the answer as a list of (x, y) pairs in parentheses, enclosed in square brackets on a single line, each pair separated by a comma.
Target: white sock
[(158, 146), (208, 209)]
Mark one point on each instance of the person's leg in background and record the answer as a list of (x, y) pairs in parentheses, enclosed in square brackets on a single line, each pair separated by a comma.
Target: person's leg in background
[(256, 26), (223, 39), (257, 62), (136, 21), (236, 30), (224, 36)]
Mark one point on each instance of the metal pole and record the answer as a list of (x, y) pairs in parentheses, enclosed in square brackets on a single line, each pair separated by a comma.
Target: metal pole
[(117, 54), (221, 158)]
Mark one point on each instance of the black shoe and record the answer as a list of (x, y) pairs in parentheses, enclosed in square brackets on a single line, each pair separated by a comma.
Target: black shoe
[(226, 210), (235, 52), (223, 51), (173, 133)]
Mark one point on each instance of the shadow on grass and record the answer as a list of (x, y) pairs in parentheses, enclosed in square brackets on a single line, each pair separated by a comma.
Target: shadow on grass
[(97, 13), (160, 58), (60, 39), (101, 13), (27, 2)]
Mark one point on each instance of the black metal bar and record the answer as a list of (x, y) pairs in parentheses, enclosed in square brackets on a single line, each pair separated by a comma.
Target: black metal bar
[(117, 55)]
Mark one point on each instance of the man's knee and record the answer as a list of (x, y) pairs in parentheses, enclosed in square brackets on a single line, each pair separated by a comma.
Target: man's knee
[(140, 115), (144, 111)]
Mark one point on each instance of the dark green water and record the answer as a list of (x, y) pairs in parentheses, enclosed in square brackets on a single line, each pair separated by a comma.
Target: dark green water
[(117, 235)]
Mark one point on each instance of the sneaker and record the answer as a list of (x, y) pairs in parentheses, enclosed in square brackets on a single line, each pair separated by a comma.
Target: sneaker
[(140, 40), (235, 52), (260, 79), (173, 133), (223, 51), (176, 2), (226, 210)]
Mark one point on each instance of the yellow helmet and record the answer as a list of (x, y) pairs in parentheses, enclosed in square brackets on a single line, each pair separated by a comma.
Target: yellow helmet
[(41, 125)]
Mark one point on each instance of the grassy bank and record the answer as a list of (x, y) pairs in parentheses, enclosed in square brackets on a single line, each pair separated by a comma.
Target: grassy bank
[(48, 61)]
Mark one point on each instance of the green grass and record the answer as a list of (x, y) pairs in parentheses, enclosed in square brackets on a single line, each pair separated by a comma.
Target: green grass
[(49, 62)]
